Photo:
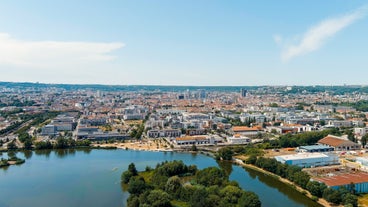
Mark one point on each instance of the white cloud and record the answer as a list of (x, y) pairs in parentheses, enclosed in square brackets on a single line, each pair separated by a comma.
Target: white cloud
[(314, 38), (53, 54)]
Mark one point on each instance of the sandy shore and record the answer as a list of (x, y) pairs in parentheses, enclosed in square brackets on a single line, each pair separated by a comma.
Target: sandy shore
[(146, 145)]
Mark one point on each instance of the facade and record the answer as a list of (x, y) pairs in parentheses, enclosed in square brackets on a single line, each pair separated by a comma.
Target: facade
[(339, 143), (164, 133), (315, 148), (195, 140), (246, 131), (359, 180), (49, 130), (306, 160), (238, 139)]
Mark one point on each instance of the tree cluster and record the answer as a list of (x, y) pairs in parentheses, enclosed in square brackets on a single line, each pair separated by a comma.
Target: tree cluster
[(62, 143), (307, 138), (176, 184)]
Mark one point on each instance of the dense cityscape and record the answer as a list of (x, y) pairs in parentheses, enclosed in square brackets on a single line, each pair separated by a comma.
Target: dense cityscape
[(321, 130), (183, 103)]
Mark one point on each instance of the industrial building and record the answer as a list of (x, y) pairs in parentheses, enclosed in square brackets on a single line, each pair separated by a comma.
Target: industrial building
[(315, 148), (359, 179), (309, 159)]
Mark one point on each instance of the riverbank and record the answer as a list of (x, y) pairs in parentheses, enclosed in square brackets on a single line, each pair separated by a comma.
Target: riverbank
[(320, 201)]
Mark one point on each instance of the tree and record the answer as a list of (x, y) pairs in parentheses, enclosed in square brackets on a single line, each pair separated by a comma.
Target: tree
[(61, 143), (316, 188), (137, 185), (28, 144), (210, 176), (350, 199), (158, 198), (249, 199), (251, 159), (132, 169), (193, 148), (225, 153), (12, 145), (364, 140), (173, 187)]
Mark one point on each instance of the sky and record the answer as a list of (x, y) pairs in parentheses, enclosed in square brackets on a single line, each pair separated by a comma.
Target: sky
[(184, 42)]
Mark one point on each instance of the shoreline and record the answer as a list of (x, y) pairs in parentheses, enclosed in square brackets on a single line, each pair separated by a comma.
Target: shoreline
[(303, 191)]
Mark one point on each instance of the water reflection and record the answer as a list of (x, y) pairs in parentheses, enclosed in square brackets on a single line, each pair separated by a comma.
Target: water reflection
[(27, 154), (285, 189), (226, 166), (45, 152)]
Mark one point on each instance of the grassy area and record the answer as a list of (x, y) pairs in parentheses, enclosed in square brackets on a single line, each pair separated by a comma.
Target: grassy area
[(176, 203), (363, 200)]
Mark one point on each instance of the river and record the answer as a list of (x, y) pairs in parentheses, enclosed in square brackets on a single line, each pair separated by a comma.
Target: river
[(72, 178)]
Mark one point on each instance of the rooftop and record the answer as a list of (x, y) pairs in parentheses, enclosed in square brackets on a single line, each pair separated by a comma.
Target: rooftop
[(301, 156), (314, 147), (345, 179)]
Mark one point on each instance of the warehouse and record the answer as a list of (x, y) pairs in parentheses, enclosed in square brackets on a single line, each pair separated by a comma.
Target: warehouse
[(315, 148), (359, 180), (309, 159)]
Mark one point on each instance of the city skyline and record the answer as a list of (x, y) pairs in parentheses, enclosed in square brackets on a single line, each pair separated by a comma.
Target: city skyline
[(207, 43)]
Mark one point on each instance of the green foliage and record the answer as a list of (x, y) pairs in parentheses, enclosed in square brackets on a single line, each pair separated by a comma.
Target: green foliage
[(251, 159), (137, 185), (174, 187), (364, 140), (209, 187), (249, 199), (307, 138), (12, 145), (211, 176), (43, 145), (132, 169), (225, 153), (316, 188)]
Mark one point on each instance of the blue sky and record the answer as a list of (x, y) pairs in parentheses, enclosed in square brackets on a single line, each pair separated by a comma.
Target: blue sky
[(172, 42)]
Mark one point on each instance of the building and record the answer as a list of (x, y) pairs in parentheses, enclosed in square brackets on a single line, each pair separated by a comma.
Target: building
[(238, 139), (309, 159), (339, 143), (247, 131), (340, 123), (243, 92), (315, 148), (195, 140), (359, 180), (49, 130), (164, 133)]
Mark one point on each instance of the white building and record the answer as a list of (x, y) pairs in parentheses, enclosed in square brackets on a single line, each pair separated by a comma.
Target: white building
[(238, 139), (309, 159)]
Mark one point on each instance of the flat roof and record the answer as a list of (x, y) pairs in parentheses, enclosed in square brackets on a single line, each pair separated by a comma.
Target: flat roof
[(344, 179), (315, 147), (301, 156)]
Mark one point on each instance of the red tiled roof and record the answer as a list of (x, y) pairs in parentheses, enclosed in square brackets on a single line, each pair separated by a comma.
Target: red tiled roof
[(344, 179), (334, 141), (244, 128)]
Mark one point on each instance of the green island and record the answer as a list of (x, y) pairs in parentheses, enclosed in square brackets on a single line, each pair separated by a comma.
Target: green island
[(178, 185), (11, 161)]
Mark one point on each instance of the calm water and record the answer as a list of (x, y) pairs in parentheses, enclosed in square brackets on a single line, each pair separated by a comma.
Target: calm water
[(74, 178)]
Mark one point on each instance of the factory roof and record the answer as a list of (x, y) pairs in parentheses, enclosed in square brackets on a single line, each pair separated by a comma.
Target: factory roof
[(301, 156), (344, 179)]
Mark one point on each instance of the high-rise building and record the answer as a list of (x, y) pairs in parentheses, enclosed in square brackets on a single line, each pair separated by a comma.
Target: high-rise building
[(243, 92)]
